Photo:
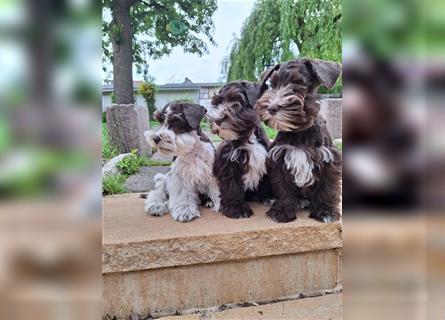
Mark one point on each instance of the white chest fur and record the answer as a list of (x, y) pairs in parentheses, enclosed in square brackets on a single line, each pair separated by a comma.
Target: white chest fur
[(195, 167), (257, 164), (299, 163)]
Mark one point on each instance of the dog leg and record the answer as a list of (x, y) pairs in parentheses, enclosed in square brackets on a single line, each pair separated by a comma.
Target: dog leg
[(214, 195), (231, 186), (232, 203), (183, 200), (325, 198), (285, 192), (156, 202)]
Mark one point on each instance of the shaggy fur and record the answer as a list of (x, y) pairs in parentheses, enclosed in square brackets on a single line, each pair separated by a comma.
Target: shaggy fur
[(304, 166), (190, 179), (240, 161)]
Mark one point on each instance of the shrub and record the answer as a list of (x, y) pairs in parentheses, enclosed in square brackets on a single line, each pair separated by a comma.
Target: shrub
[(113, 184), (148, 91), (129, 164), (104, 117)]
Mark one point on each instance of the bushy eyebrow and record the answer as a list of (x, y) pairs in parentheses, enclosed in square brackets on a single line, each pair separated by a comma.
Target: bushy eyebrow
[(216, 99)]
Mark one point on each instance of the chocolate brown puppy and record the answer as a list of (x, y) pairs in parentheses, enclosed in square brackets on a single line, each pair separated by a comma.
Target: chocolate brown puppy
[(240, 160), (303, 165)]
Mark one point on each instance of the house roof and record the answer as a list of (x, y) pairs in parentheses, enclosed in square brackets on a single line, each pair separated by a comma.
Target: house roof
[(171, 86)]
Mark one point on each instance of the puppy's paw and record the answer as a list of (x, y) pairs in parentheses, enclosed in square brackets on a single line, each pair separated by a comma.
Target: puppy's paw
[(281, 214), (208, 204), (243, 211), (156, 208), (303, 204), (185, 213), (216, 206), (268, 202), (325, 215)]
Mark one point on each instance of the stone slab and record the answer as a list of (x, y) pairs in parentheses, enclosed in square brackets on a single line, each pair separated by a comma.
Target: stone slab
[(157, 156), (165, 291), (327, 307), (331, 110), (184, 317), (110, 166), (134, 241), (143, 180)]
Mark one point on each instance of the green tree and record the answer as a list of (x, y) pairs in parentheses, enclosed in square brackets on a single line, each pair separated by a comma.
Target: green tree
[(142, 29), (282, 30)]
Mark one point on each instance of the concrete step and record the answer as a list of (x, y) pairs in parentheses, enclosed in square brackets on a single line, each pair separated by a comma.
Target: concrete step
[(326, 307), (156, 266)]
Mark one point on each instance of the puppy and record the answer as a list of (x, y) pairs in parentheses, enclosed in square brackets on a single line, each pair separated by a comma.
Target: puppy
[(304, 166), (240, 161), (181, 190)]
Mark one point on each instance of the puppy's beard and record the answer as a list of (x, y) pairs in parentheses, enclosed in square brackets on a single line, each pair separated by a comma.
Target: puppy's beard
[(149, 135), (213, 113), (167, 144), (224, 133), (281, 121), (185, 142), (290, 116)]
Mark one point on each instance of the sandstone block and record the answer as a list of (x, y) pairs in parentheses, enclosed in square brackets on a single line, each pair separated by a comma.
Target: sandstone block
[(133, 241)]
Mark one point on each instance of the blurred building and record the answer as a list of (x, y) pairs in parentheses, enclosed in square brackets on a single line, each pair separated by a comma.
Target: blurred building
[(200, 93)]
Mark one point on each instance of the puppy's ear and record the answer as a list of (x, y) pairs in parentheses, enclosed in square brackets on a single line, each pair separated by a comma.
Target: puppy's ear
[(158, 116), (193, 114), (266, 75), (327, 72), (252, 90)]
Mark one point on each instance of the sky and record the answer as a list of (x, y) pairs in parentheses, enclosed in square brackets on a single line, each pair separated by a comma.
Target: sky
[(228, 19)]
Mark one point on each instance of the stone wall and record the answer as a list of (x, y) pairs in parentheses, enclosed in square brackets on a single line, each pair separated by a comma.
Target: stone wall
[(331, 110)]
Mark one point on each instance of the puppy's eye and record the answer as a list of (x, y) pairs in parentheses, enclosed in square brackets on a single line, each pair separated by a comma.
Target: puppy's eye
[(216, 100), (159, 116)]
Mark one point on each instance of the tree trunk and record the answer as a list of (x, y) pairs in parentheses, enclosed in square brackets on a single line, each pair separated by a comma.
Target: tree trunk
[(126, 125), (121, 38)]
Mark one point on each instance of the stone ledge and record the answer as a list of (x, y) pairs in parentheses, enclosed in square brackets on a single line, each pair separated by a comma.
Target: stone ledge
[(326, 307), (134, 241), (182, 289)]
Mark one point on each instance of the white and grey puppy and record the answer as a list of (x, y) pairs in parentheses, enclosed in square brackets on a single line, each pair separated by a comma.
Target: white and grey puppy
[(190, 180)]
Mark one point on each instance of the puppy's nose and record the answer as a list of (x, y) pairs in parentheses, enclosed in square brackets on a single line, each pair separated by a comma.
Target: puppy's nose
[(156, 139), (272, 109)]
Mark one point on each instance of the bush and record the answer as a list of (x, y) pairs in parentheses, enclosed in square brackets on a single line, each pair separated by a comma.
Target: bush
[(129, 164), (148, 91), (113, 184), (104, 117)]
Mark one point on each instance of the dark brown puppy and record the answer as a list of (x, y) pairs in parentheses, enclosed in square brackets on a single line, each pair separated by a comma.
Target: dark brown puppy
[(240, 160), (304, 166)]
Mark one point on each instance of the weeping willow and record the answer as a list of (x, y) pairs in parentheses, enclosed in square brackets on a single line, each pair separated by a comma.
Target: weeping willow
[(281, 30)]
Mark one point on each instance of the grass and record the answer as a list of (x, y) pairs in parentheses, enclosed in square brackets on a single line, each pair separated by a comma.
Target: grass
[(113, 184), (271, 133), (156, 163), (108, 151), (339, 144)]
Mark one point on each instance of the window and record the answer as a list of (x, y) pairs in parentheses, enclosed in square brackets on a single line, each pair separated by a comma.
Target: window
[(204, 93)]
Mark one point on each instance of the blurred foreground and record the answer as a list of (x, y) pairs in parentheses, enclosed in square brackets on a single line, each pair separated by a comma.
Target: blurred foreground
[(50, 149), (394, 160)]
